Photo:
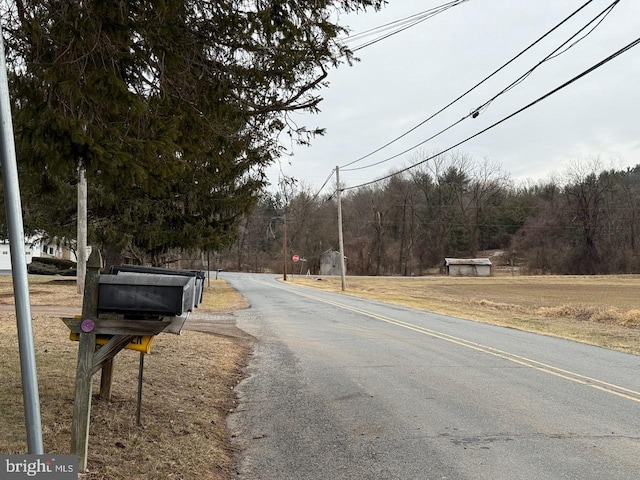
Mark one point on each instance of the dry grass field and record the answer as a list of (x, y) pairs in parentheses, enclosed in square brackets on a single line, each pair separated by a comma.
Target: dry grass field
[(189, 379), (599, 310), (187, 392)]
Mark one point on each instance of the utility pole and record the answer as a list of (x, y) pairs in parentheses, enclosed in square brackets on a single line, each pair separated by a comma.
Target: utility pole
[(82, 229), (13, 206), (284, 248), (340, 239)]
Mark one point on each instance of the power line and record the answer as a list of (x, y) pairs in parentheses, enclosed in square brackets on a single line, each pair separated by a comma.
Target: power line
[(408, 149), (323, 185), (395, 23), (387, 26), (472, 88), (555, 90), (474, 113), (402, 24), (555, 53), (412, 20)]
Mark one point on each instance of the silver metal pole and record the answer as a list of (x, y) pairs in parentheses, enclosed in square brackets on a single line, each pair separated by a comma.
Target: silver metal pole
[(340, 238), (13, 208)]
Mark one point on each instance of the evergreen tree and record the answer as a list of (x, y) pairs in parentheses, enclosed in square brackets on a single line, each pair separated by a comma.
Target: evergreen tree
[(173, 107)]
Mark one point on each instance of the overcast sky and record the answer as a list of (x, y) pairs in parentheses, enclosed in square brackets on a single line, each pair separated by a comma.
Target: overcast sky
[(402, 80)]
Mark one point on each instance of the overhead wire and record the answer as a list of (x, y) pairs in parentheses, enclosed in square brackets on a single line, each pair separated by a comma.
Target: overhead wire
[(472, 88), (323, 185), (388, 26), (411, 20), (474, 113), (538, 100), (554, 54), (405, 24)]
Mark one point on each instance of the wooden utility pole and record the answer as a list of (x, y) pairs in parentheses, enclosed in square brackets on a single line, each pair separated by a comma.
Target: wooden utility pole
[(340, 238), (82, 228), (284, 248)]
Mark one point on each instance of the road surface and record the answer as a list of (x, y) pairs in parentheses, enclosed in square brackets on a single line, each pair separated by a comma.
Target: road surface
[(344, 388)]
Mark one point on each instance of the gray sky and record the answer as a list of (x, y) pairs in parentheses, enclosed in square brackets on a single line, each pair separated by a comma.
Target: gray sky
[(404, 79)]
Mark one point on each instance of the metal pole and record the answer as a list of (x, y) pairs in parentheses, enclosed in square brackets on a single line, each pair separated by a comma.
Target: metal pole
[(340, 238), (15, 226), (140, 371)]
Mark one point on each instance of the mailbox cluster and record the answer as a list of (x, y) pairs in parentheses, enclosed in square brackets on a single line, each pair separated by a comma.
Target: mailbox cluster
[(144, 293), (129, 305)]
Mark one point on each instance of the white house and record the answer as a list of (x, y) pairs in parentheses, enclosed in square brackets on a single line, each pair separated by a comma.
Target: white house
[(5, 254), (54, 247)]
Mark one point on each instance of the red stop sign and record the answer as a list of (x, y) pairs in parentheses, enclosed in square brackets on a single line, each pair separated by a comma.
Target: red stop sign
[(295, 258)]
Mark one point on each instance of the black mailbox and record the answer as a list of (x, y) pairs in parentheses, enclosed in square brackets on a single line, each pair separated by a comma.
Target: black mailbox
[(197, 276), (143, 294)]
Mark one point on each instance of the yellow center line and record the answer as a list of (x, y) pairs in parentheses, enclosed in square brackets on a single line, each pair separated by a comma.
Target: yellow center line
[(611, 388)]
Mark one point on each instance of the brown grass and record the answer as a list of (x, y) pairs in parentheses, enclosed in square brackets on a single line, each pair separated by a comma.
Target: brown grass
[(187, 393), (599, 310)]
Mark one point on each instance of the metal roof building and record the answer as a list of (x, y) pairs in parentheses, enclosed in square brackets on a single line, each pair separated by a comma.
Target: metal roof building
[(330, 263), (467, 267)]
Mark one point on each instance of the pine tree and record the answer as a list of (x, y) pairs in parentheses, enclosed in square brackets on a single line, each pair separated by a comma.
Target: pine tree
[(173, 107)]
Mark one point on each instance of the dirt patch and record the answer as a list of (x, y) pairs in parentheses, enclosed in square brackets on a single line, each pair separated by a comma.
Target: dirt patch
[(217, 324)]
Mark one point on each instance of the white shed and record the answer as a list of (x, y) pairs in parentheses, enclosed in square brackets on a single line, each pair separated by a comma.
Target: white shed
[(467, 267)]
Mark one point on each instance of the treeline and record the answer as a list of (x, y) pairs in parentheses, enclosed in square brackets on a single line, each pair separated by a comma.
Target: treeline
[(454, 206)]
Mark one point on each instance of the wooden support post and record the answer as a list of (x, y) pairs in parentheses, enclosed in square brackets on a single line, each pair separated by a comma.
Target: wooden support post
[(90, 299), (84, 374), (106, 380), (110, 350), (103, 359), (82, 402)]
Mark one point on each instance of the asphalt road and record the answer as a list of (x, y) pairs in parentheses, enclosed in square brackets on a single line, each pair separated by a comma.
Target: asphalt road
[(343, 388)]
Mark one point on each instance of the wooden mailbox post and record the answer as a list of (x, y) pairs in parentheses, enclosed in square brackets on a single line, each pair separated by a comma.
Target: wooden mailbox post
[(91, 358)]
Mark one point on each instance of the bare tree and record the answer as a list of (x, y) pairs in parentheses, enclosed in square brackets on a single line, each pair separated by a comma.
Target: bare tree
[(585, 191), (485, 190)]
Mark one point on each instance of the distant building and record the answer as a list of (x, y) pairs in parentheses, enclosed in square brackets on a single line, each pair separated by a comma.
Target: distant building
[(40, 246), (330, 263), (5, 254), (467, 267), (54, 247)]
